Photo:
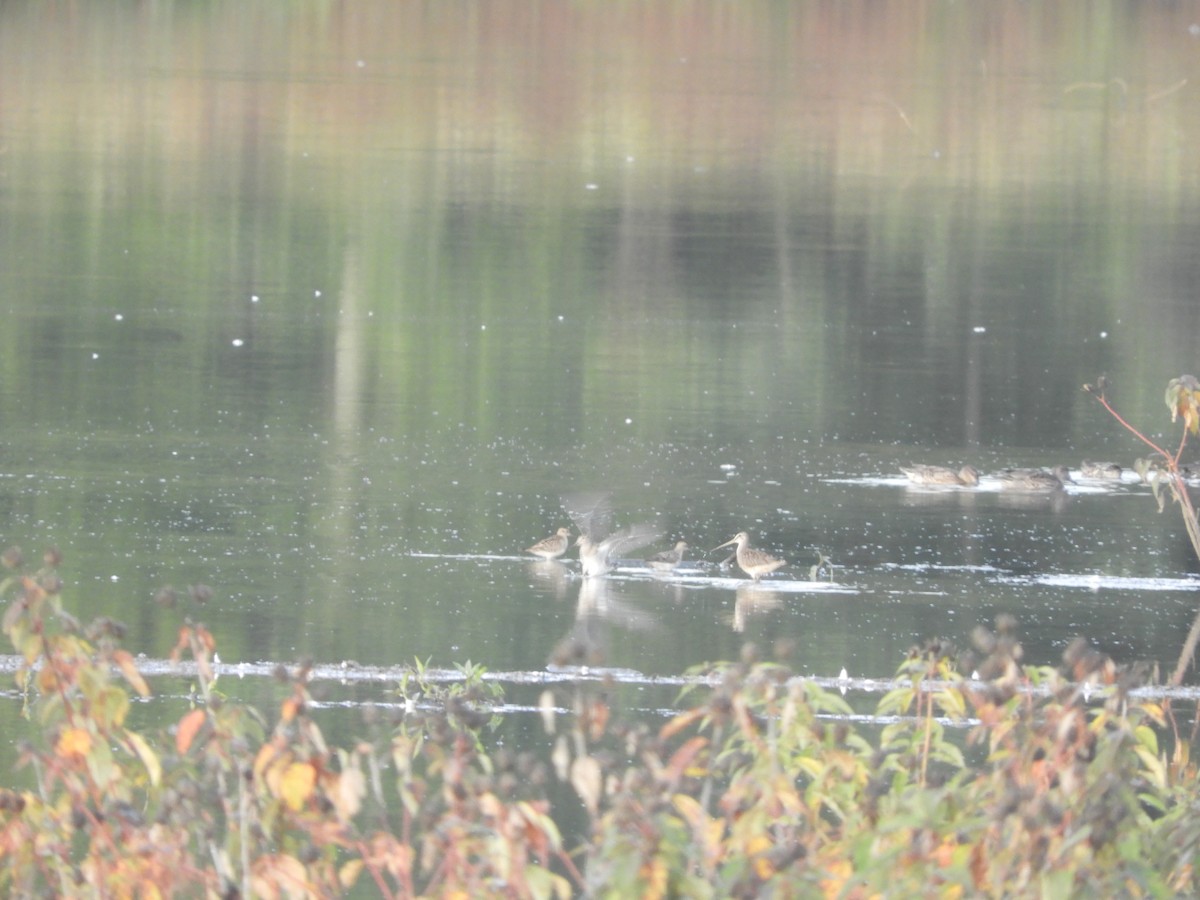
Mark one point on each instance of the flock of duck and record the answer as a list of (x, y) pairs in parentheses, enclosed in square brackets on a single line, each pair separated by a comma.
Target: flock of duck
[(1027, 480), (601, 546)]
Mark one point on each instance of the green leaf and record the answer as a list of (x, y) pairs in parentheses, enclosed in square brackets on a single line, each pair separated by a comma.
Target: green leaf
[(1146, 737), (1152, 767), (1057, 884), (897, 701)]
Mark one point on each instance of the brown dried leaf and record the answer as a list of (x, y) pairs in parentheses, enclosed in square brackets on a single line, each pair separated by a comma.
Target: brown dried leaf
[(124, 661), (547, 710), (682, 758), (13, 613), (680, 722), (148, 757), (561, 757), (278, 873), (586, 778), (263, 759), (348, 792), (1183, 399)]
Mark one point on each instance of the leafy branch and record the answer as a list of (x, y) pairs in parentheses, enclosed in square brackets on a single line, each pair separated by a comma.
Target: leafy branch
[(1166, 476)]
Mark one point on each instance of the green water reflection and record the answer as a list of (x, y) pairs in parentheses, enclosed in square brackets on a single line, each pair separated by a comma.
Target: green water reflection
[(294, 292)]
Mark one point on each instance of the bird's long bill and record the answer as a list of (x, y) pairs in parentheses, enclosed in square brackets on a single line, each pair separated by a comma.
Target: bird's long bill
[(726, 544)]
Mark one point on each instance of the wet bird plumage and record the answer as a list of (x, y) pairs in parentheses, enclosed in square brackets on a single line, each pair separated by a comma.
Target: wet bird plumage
[(599, 545), (754, 562)]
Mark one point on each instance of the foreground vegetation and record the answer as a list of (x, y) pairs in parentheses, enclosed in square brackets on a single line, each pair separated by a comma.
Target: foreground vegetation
[(761, 786), (1017, 781)]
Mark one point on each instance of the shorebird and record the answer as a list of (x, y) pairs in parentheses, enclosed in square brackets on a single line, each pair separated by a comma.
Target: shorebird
[(1035, 480), (668, 559), (1102, 471), (754, 563), (920, 474), (599, 546), (552, 547)]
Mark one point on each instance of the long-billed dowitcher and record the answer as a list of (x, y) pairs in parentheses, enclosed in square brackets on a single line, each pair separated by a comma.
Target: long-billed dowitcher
[(967, 476), (1105, 471), (668, 559), (1034, 480), (552, 547), (600, 546), (754, 563)]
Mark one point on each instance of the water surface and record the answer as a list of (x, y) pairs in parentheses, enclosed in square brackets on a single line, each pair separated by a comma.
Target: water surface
[(329, 314)]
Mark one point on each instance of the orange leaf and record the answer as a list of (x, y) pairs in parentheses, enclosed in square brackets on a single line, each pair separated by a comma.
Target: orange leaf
[(206, 639), (189, 725), (181, 643), (682, 758), (680, 722), (288, 709), (47, 679), (74, 742)]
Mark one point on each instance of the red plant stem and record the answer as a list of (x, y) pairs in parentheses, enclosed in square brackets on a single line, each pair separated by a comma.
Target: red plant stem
[(374, 870), (1137, 434), (1190, 523), (572, 869)]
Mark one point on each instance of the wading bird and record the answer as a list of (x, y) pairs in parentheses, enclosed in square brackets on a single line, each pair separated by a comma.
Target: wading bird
[(599, 545), (552, 547), (668, 559), (754, 563)]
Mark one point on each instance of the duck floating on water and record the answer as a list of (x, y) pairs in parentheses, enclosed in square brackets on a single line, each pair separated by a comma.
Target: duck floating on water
[(1103, 471), (1035, 480), (967, 476)]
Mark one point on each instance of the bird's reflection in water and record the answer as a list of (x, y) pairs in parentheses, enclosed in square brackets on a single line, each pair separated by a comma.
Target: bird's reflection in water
[(674, 590), (552, 577), (598, 612), (923, 497), (752, 601), (1055, 501)]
